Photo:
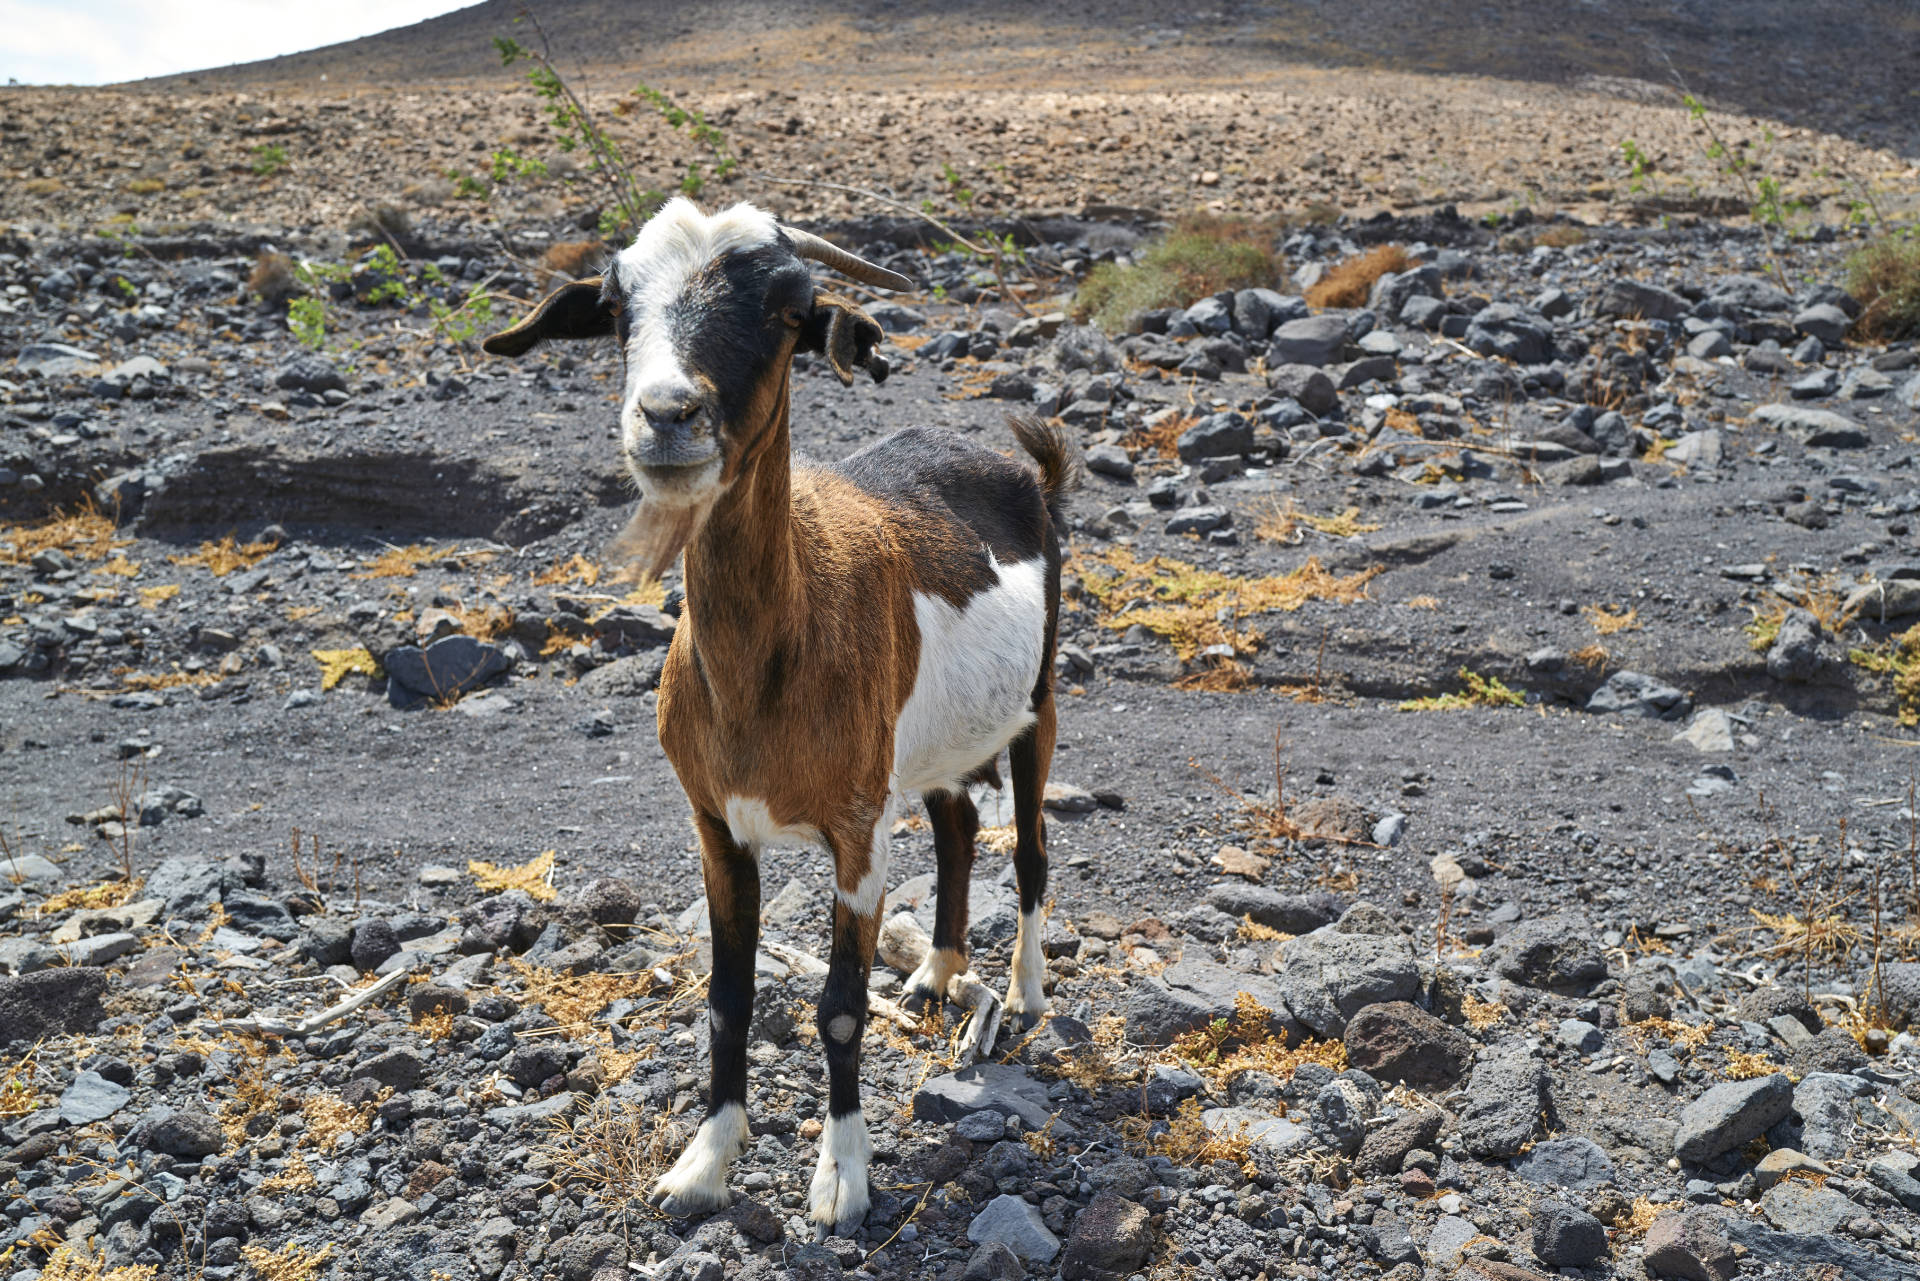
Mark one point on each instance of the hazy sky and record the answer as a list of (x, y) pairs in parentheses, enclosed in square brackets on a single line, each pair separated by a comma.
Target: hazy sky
[(87, 42)]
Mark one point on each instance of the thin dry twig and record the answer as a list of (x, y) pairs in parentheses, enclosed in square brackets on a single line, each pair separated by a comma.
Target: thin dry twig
[(268, 1025)]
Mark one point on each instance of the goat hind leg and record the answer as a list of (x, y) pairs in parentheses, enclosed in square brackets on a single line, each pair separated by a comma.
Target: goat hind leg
[(955, 822), (1029, 757), (698, 1180)]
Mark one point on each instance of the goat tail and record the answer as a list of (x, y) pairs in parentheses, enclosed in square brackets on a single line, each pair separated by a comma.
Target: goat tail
[(1051, 446)]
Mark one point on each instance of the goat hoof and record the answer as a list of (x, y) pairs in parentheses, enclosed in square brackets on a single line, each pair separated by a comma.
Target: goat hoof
[(1023, 1011), (689, 1202)]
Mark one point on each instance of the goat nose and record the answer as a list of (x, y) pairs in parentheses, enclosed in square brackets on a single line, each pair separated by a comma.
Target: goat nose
[(669, 404)]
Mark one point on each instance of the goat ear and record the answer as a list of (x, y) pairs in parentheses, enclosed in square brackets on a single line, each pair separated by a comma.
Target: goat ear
[(574, 310), (848, 337)]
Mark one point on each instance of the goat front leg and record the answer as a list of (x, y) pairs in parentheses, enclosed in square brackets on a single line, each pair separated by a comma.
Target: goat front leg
[(839, 1194), (698, 1180)]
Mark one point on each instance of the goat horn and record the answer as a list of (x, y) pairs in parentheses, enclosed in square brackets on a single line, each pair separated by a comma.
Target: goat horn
[(808, 245)]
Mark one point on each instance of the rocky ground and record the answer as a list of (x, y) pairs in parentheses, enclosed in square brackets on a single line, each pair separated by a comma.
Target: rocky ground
[(1484, 793)]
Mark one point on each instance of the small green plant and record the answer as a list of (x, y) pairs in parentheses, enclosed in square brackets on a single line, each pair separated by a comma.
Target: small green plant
[(462, 324), (1898, 658), (1480, 691), (508, 164), (1639, 166), (956, 186), (1771, 206), (702, 131), (307, 319), (1199, 255), (575, 129), (467, 186), (268, 159), (383, 263), (1767, 201)]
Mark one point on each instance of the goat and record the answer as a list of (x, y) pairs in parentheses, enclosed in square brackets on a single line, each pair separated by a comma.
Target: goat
[(851, 633)]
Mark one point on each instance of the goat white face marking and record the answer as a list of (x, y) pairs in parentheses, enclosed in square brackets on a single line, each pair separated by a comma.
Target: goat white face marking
[(752, 824), (839, 1192), (973, 692), (864, 899), (1025, 995), (698, 1180), (674, 247)]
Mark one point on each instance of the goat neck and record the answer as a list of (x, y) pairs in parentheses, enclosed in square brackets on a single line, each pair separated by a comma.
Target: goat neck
[(744, 591)]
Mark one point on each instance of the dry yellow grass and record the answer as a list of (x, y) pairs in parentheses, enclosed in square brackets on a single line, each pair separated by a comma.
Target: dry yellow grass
[(119, 567), (226, 555), (1824, 933), (1684, 1037), (1188, 1141), (1745, 1065), (1608, 620), (95, 897), (251, 1095), (154, 597), (1283, 522), (575, 998), (1187, 605), (132, 680), (293, 1262), (66, 1263), (336, 664), (328, 1117), (85, 534), (398, 562), (1480, 1014), (1349, 282), (1638, 1218), (997, 840), (1226, 1048), (614, 1151), (1252, 931), (575, 569), (484, 622), (1423, 602), (295, 1176), (1595, 656), (1162, 439), (535, 876), (1218, 675)]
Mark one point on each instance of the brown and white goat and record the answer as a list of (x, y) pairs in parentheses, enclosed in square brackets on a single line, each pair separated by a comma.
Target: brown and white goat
[(852, 633)]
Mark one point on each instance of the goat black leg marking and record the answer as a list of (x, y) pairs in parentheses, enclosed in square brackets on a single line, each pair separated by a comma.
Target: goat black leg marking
[(955, 823), (1029, 757), (698, 1180)]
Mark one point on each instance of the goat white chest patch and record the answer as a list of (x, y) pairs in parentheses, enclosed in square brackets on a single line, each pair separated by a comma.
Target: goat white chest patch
[(973, 691)]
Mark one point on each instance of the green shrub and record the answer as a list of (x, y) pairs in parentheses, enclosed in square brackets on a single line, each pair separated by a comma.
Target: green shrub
[(1884, 277), (1199, 255)]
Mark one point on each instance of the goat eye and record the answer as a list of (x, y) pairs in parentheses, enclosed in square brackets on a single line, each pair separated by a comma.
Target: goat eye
[(792, 316)]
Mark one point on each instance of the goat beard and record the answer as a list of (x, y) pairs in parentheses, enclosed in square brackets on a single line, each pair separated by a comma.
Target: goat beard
[(656, 534)]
